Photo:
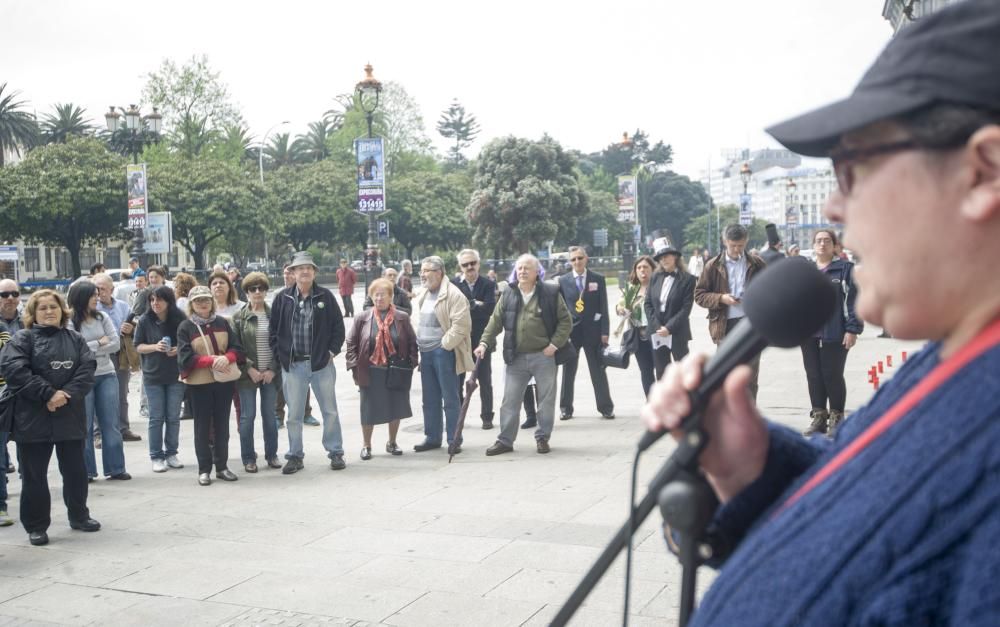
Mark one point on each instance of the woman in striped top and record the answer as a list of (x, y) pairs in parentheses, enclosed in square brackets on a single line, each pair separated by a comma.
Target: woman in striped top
[(261, 373)]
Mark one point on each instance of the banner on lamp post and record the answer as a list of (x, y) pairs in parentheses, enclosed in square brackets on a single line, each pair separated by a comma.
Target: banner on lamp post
[(135, 178), (627, 201), (370, 152), (746, 212), (158, 233)]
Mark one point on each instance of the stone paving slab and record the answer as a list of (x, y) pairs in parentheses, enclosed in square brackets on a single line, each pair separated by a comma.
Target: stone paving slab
[(409, 540)]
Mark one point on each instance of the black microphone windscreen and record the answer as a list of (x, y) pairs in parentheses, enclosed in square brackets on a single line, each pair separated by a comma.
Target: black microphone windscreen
[(789, 301)]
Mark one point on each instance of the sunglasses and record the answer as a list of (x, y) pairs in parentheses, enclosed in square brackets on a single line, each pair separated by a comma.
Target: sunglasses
[(256, 288), (56, 365), (577, 258), (469, 264), (10, 294)]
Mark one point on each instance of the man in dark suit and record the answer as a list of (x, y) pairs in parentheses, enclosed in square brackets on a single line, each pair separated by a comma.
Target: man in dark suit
[(586, 297), (482, 295), (668, 306)]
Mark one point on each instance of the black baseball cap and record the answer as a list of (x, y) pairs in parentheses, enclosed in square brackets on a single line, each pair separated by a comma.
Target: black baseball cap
[(950, 56)]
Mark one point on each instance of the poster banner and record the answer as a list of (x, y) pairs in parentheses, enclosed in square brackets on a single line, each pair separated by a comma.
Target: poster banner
[(370, 153), (746, 213), (627, 198), (135, 177), (158, 233)]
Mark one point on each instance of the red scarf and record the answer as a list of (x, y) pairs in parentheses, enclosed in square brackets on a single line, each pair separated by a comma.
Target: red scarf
[(383, 341)]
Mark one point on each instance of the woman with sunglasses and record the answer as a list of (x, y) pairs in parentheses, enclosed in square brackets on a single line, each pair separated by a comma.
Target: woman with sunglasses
[(99, 332), (50, 371), (825, 354), (261, 373), (156, 343)]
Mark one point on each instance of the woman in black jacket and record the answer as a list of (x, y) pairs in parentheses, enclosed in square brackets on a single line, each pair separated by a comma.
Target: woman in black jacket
[(50, 369), (668, 306), (825, 354)]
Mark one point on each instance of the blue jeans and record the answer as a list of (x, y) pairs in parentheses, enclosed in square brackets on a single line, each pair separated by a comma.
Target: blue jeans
[(296, 383), (164, 418), (102, 403), (440, 387), (269, 424)]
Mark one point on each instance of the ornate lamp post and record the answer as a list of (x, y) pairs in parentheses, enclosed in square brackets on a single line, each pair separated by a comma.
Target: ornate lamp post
[(745, 175), (132, 137), (791, 216), (628, 246), (369, 92)]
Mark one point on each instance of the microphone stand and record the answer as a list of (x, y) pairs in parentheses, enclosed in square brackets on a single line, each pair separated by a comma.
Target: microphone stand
[(687, 502)]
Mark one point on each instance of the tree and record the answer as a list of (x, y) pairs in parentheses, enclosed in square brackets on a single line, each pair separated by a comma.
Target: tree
[(208, 198), (192, 136), (282, 151), (669, 201), (603, 214), (427, 210), (697, 230), (235, 143), (455, 125), (17, 127), (313, 145), (402, 123), (66, 194), (192, 92), (627, 156), (526, 193), (68, 120)]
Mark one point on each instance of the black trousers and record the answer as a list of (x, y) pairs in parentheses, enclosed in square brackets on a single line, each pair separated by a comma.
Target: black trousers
[(348, 304), (598, 377), (754, 364), (824, 362), (647, 366), (485, 386), (36, 500), (530, 409), (211, 404)]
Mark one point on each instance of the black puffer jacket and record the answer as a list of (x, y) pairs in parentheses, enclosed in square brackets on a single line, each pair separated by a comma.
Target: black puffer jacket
[(27, 363)]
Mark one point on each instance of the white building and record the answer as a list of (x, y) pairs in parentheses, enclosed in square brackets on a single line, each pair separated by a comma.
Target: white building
[(38, 262), (903, 12)]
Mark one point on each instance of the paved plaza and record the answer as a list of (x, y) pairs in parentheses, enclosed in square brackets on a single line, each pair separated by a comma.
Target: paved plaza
[(409, 540)]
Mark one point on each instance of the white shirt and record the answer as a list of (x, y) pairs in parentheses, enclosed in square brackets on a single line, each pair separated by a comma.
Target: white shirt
[(736, 269), (668, 284)]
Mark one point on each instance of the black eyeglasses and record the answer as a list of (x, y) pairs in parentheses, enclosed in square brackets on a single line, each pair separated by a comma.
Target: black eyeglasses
[(256, 288), (469, 264), (577, 258), (845, 160), (10, 294)]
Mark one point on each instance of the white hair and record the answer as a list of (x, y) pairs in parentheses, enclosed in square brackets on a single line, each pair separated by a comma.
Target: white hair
[(469, 251)]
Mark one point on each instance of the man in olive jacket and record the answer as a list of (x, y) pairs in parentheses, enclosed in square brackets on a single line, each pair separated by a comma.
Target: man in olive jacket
[(535, 323)]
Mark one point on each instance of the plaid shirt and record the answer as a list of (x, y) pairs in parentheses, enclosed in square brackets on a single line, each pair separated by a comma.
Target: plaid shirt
[(302, 324)]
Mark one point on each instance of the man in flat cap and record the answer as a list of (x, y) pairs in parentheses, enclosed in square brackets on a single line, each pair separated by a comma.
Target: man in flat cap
[(896, 521)]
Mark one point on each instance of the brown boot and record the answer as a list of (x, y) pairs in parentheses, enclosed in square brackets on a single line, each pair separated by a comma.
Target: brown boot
[(836, 418), (819, 419)]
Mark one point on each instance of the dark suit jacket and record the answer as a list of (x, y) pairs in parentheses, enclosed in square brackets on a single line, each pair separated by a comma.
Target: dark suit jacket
[(485, 291), (677, 315), (592, 323)]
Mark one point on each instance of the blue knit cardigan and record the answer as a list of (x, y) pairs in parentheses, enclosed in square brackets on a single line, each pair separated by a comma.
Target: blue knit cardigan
[(906, 533)]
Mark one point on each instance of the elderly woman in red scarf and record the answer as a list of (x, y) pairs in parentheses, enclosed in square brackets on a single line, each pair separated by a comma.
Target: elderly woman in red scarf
[(382, 353)]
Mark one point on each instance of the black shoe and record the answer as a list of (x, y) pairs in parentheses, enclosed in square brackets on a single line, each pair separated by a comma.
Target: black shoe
[(498, 448), (426, 446), (566, 416), (122, 476), (85, 525), (128, 436), (292, 466), (608, 416), (337, 462), (273, 463), (454, 449), (487, 424), (530, 423), (366, 453), (38, 538), (393, 448), (226, 475), (543, 446)]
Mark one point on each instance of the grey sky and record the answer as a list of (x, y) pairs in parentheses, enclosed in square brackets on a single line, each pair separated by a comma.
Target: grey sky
[(703, 76)]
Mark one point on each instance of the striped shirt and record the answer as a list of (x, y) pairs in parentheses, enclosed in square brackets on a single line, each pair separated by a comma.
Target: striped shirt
[(264, 356)]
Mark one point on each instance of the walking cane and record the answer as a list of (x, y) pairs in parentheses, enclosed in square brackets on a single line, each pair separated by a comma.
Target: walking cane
[(470, 386)]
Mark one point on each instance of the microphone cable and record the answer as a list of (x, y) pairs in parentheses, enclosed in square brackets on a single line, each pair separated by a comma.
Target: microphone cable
[(631, 529)]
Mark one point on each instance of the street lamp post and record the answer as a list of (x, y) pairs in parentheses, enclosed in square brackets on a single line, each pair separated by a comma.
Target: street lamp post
[(791, 216), (136, 132), (369, 92), (260, 165), (745, 175), (628, 246)]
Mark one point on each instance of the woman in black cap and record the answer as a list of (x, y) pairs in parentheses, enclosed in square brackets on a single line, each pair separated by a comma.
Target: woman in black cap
[(668, 306)]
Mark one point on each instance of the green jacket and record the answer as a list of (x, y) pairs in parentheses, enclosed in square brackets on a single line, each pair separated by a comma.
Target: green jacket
[(531, 336), (244, 324)]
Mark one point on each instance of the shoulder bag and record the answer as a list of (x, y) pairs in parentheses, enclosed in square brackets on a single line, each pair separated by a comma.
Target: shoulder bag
[(220, 377)]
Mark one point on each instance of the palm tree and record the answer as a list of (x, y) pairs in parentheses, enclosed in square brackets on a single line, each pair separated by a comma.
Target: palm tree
[(18, 128), (238, 139), (313, 144), (282, 152), (192, 135), (68, 120)]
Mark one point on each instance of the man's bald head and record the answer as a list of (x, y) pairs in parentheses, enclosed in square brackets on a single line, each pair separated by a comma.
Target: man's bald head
[(8, 305)]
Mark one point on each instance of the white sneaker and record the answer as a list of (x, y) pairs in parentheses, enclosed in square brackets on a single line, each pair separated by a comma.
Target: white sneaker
[(173, 462), (159, 465)]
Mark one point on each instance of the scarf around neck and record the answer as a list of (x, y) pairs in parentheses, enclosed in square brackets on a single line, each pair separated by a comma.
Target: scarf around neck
[(195, 318), (384, 347)]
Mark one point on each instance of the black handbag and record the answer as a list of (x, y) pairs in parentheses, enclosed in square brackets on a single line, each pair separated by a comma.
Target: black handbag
[(565, 353), (615, 357), (399, 375)]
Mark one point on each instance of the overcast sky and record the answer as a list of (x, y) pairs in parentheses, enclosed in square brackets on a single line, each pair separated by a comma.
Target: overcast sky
[(703, 76)]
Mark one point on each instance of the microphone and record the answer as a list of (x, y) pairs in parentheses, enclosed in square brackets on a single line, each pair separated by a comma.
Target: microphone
[(784, 306)]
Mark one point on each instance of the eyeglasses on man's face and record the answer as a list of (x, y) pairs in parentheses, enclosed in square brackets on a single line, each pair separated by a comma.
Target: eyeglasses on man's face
[(253, 289), (14, 294), (575, 259), (469, 264), (845, 160)]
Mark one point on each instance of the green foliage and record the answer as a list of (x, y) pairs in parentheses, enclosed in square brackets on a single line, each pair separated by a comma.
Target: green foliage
[(192, 91), (627, 157), (18, 129), (427, 210), (283, 152), (65, 194), (697, 231), (456, 125), (235, 143), (603, 215), (209, 198), (193, 136), (668, 202), (67, 121), (313, 145), (526, 193)]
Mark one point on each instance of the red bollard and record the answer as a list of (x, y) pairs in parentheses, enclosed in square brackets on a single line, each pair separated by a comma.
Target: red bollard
[(880, 367), (904, 356), (888, 361)]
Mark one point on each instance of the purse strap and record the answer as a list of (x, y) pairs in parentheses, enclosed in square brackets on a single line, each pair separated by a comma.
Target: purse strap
[(215, 346)]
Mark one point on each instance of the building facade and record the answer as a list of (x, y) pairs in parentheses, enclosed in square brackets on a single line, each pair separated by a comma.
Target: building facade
[(899, 13)]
